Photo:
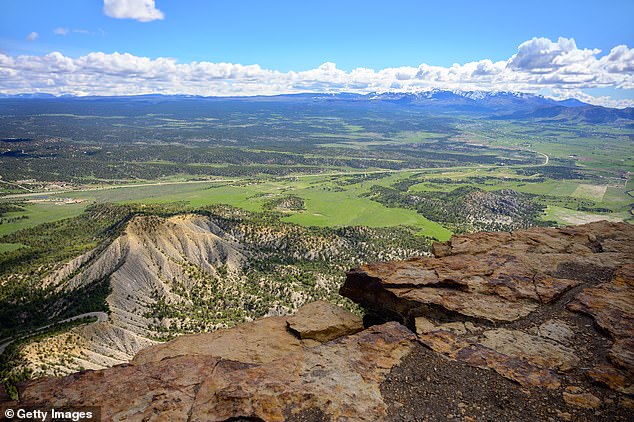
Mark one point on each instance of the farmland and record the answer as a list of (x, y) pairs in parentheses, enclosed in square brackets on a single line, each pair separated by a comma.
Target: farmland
[(335, 157)]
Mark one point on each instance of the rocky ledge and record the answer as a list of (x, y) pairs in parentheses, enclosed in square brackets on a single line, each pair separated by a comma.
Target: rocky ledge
[(530, 325), (545, 308)]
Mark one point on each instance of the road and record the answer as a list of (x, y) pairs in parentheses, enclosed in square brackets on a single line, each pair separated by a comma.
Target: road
[(101, 317), (15, 184), (543, 155)]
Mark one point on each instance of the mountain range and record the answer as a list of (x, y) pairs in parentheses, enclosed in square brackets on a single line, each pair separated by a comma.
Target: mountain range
[(492, 104)]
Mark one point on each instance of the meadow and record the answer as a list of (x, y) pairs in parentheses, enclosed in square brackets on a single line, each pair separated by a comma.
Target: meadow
[(335, 157)]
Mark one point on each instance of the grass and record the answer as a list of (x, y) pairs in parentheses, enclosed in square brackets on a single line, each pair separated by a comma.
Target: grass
[(569, 217), (326, 203), (333, 201), (593, 192), (40, 213), (324, 208), (8, 247)]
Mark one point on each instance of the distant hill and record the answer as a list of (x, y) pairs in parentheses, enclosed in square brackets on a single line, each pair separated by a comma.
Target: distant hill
[(585, 113), (498, 105)]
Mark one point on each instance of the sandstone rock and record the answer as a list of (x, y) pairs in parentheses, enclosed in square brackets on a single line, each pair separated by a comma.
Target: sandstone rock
[(499, 277), (323, 321), (614, 378), (475, 354), (481, 280), (590, 238), (557, 331), (340, 378), (611, 304), (424, 326), (536, 350), (622, 354), (128, 392), (259, 341), (577, 397)]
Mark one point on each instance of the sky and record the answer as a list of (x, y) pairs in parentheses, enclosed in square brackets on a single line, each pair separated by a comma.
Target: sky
[(582, 49)]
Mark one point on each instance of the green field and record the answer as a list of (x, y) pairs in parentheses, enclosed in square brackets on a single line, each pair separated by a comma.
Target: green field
[(335, 201), (8, 247), (39, 213), (324, 205), (578, 172)]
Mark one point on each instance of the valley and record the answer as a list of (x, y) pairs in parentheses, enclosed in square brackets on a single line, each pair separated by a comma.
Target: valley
[(178, 215)]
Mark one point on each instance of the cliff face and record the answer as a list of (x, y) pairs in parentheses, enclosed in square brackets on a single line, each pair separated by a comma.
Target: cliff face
[(548, 308), (529, 325)]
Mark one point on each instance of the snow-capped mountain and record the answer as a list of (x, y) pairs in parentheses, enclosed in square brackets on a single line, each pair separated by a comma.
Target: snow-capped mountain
[(492, 104)]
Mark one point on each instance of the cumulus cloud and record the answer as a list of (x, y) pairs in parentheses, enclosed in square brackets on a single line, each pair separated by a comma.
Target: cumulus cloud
[(620, 60), (540, 65), (141, 10), (32, 36)]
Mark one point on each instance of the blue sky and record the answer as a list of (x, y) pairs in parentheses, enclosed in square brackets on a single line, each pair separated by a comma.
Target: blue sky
[(296, 36), (300, 35)]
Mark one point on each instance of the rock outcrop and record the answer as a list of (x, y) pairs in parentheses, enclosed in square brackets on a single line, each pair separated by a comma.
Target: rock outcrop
[(496, 277), (531, 325), (511, 302), (340, 379)]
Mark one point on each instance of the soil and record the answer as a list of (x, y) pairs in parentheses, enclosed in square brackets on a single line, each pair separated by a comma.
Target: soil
[(429, 387)]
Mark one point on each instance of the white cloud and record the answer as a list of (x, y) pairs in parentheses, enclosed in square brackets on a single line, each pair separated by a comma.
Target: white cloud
[(540, 65), (540, 54), (141, 10), (65, 31), (604, 100), (32, 36), (620, 60)]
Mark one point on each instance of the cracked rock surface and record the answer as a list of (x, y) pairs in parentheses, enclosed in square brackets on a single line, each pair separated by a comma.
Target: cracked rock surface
[(545, 308)]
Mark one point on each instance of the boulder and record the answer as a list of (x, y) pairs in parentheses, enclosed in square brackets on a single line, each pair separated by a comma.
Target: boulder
[(557, 331), (340, 379), (260, 341), (323, 321), (611, 305)]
